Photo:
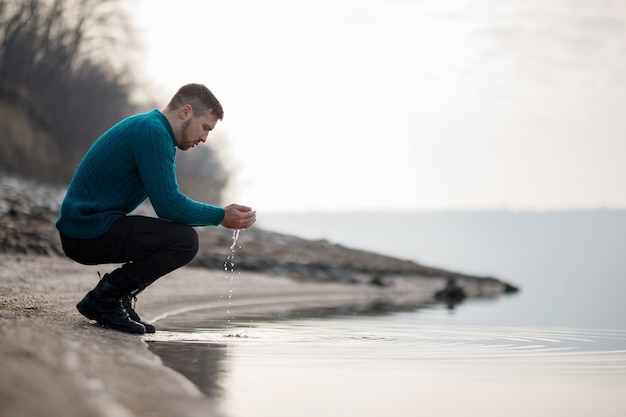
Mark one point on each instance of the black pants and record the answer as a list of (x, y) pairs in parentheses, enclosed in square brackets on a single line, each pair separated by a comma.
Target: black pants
[(148, 247)]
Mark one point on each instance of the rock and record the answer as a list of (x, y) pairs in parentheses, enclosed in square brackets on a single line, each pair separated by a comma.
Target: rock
[(452, 293)]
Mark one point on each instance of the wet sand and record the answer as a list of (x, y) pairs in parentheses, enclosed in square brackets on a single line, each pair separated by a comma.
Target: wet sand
[(57, 363)]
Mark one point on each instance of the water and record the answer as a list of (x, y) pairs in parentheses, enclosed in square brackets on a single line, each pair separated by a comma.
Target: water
[(556, 348), (370, 366), (229, 266)]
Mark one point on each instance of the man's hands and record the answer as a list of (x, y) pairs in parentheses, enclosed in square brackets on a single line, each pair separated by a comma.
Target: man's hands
[(238, 217)]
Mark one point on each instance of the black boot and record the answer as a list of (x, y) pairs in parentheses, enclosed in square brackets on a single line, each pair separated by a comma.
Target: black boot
[(128, 305), (104, 305)]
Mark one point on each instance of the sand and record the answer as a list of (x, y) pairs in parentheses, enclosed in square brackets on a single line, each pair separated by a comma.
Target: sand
[(55, 362)]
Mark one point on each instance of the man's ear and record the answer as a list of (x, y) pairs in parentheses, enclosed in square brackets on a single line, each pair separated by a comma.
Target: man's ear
[(185, 112)]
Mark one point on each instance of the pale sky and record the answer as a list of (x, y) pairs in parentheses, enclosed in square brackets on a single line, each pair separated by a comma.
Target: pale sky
[(411, 105)]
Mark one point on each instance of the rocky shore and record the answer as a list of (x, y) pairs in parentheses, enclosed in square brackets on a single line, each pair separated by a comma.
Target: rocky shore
[(28, 211), (56, 363)]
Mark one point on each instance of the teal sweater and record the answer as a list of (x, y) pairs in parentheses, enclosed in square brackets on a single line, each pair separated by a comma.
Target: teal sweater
[(130, 162)]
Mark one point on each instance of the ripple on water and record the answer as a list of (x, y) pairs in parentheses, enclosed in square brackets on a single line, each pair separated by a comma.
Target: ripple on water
[(474, 350)]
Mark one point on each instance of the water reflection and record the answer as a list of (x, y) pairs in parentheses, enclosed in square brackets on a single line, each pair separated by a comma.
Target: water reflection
[(368, 360), (201, 363)]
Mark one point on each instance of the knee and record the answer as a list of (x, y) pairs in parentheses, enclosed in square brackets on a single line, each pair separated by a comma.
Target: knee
[(190, 242)]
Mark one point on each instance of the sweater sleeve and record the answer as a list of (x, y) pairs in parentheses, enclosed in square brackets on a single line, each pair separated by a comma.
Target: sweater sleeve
[(155, 153)]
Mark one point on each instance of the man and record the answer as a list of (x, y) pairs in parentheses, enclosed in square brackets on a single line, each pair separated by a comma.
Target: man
[(130, 162)]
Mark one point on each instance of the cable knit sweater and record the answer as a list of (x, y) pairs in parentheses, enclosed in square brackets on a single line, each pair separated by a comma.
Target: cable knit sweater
[(130, 162)]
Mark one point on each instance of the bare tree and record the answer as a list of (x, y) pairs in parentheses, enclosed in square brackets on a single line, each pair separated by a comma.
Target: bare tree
[(67, 65), (53, 61)]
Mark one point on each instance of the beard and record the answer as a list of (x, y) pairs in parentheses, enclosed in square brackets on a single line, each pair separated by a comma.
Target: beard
[(184, 136)]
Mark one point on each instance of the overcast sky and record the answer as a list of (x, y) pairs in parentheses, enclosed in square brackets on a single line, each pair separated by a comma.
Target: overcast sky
[(382, 104)]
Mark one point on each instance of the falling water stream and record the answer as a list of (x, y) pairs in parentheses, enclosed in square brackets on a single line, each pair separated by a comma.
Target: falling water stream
[(229, 268)]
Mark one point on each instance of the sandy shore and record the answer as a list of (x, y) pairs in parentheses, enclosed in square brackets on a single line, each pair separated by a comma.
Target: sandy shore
[(56, 363)]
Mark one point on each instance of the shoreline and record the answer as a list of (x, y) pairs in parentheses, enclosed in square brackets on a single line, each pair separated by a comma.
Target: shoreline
[(56, 363)]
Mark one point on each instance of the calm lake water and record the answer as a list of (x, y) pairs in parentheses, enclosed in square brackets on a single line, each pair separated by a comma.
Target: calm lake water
[(556, 348)]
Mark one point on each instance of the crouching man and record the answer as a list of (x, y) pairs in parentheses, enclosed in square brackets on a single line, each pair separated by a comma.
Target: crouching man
[(128, 163)]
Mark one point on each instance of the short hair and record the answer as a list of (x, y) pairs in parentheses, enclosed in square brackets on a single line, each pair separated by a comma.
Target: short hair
[(200, 98)]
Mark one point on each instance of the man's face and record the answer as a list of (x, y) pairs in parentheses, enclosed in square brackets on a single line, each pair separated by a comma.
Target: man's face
[(195, 130)]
